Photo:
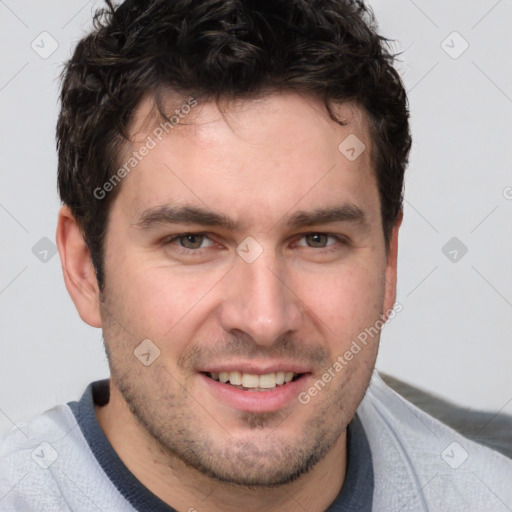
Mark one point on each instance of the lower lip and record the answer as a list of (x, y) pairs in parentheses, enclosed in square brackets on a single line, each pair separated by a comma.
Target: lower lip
[(257, 401)]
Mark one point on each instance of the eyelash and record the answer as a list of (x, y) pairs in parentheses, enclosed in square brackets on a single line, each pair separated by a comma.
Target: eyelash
[(321, 250), (175, 238)]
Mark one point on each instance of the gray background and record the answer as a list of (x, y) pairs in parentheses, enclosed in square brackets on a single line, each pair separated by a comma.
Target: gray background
[(453, 335)]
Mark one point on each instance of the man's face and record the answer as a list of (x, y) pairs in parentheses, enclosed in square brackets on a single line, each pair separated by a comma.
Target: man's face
[(267, 291)]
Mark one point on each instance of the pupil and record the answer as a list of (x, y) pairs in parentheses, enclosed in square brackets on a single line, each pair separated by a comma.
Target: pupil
[(191, 241), (317, 240)]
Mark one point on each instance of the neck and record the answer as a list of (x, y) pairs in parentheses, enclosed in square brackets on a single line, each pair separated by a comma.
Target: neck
[(184, 488)]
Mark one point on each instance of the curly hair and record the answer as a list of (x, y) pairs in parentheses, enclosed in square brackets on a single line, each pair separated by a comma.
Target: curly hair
[(222, 49)]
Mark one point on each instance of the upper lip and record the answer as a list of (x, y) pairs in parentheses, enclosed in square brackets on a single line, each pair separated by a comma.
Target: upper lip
[(256, 368)]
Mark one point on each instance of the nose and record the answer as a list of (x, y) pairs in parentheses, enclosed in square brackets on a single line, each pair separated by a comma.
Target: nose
[(259, 301)]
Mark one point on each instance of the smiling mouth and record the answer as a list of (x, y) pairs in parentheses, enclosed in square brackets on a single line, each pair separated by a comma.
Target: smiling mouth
[(252, 382)]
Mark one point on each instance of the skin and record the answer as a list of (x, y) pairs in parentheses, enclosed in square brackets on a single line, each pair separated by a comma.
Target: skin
[(257, 162)]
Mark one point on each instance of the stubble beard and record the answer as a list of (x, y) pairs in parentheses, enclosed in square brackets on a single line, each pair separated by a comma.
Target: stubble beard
[(179, 433)]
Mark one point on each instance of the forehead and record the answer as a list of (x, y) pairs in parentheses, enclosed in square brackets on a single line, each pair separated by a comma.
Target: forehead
[(256, 158), (280, 112)]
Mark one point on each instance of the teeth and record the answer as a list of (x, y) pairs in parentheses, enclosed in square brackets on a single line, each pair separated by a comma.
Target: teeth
[(235, 378), (268, 380), (252, 381)]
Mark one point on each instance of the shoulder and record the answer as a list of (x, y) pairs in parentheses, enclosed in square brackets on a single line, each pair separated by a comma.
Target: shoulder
[(422, 464), (47, 464), (27, 454)]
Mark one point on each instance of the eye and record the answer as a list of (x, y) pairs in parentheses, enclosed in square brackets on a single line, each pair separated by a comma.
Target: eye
[(191, 241), (316, 239), (319, 240)]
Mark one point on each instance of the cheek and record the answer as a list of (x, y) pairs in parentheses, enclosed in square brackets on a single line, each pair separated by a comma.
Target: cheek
[(345, 300), (153, 299)]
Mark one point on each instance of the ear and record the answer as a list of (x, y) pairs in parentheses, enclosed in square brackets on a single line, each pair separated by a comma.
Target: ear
[(77, 267), (391, 268)]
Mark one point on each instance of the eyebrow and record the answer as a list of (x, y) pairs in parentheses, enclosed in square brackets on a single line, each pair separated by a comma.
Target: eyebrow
[(166, 214), (343, 213)]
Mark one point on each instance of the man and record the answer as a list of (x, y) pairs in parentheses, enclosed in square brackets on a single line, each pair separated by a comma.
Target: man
[(231, 173)]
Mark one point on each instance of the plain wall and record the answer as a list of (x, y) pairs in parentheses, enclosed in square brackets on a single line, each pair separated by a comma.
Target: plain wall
[(452, 336)]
